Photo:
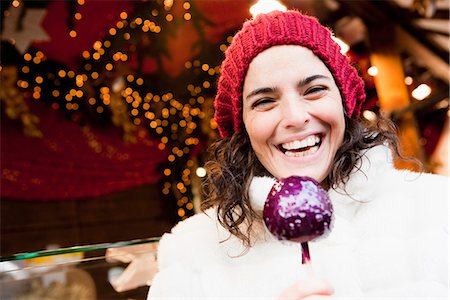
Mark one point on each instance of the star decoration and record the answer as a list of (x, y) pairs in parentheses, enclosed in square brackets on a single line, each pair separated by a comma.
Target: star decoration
[(31, 28)]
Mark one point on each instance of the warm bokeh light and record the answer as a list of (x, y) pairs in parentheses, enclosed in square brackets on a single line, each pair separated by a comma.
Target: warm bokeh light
[(200, 172), (369, 115), (344, 47), (408, 80), (421, 92), (266, 6), (372, 71)]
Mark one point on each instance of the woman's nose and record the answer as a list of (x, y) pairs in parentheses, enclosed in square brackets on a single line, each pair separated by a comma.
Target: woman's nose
[(295, 113)]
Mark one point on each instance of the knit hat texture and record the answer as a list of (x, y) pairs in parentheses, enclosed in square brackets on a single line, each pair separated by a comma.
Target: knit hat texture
[(280, 28)]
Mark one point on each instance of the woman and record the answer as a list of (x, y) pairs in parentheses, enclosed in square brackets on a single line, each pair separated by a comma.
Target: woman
[(288, 103)]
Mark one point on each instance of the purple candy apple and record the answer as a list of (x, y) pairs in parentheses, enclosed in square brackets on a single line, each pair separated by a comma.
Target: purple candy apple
[(298, 209)]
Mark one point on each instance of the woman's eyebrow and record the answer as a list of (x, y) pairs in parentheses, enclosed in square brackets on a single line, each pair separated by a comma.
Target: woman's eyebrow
[(263, 90), (310, 79)]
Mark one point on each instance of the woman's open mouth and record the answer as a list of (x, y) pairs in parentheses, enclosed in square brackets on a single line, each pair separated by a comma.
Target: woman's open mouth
[(300, 148)]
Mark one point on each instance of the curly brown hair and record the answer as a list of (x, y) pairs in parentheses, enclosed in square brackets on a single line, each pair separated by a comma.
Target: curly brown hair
[(233, 165)]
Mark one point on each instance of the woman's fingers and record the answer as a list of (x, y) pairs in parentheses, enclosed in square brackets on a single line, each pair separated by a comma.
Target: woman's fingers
[(307, 289)]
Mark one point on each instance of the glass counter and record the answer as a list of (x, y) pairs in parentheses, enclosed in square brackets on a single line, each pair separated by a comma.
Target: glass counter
[(122, 270)]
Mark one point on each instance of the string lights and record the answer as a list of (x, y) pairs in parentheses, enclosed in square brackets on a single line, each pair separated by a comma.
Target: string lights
[(178, 112)]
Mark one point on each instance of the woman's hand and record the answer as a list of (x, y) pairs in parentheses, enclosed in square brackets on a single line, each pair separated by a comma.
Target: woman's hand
[(311, 288)]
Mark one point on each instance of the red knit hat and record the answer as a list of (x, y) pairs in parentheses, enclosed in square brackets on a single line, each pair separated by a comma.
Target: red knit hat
[(280, 28)]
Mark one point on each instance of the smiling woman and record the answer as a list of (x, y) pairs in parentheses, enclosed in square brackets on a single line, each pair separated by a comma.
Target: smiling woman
[(297, 126), (288, 104)]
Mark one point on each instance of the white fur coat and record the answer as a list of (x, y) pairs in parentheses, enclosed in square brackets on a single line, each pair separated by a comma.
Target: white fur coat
[(389, 240)]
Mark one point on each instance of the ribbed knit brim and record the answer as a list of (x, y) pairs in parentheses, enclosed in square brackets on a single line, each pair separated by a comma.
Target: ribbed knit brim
[(280, 28)]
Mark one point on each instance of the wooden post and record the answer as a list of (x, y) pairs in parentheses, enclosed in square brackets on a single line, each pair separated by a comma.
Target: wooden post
[(392, 92)]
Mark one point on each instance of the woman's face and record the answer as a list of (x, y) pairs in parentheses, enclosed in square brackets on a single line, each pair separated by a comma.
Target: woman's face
[(293, 112)]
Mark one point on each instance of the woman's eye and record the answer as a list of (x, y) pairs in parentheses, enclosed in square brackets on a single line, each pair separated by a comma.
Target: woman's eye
[(262, 104), (315, 89)]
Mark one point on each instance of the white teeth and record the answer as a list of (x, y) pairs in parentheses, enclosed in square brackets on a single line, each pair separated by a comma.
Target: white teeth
[(302, 153), (308, 142), (294, 148)]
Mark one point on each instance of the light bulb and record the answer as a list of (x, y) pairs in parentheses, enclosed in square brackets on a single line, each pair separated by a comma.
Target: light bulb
[(266, 6)]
